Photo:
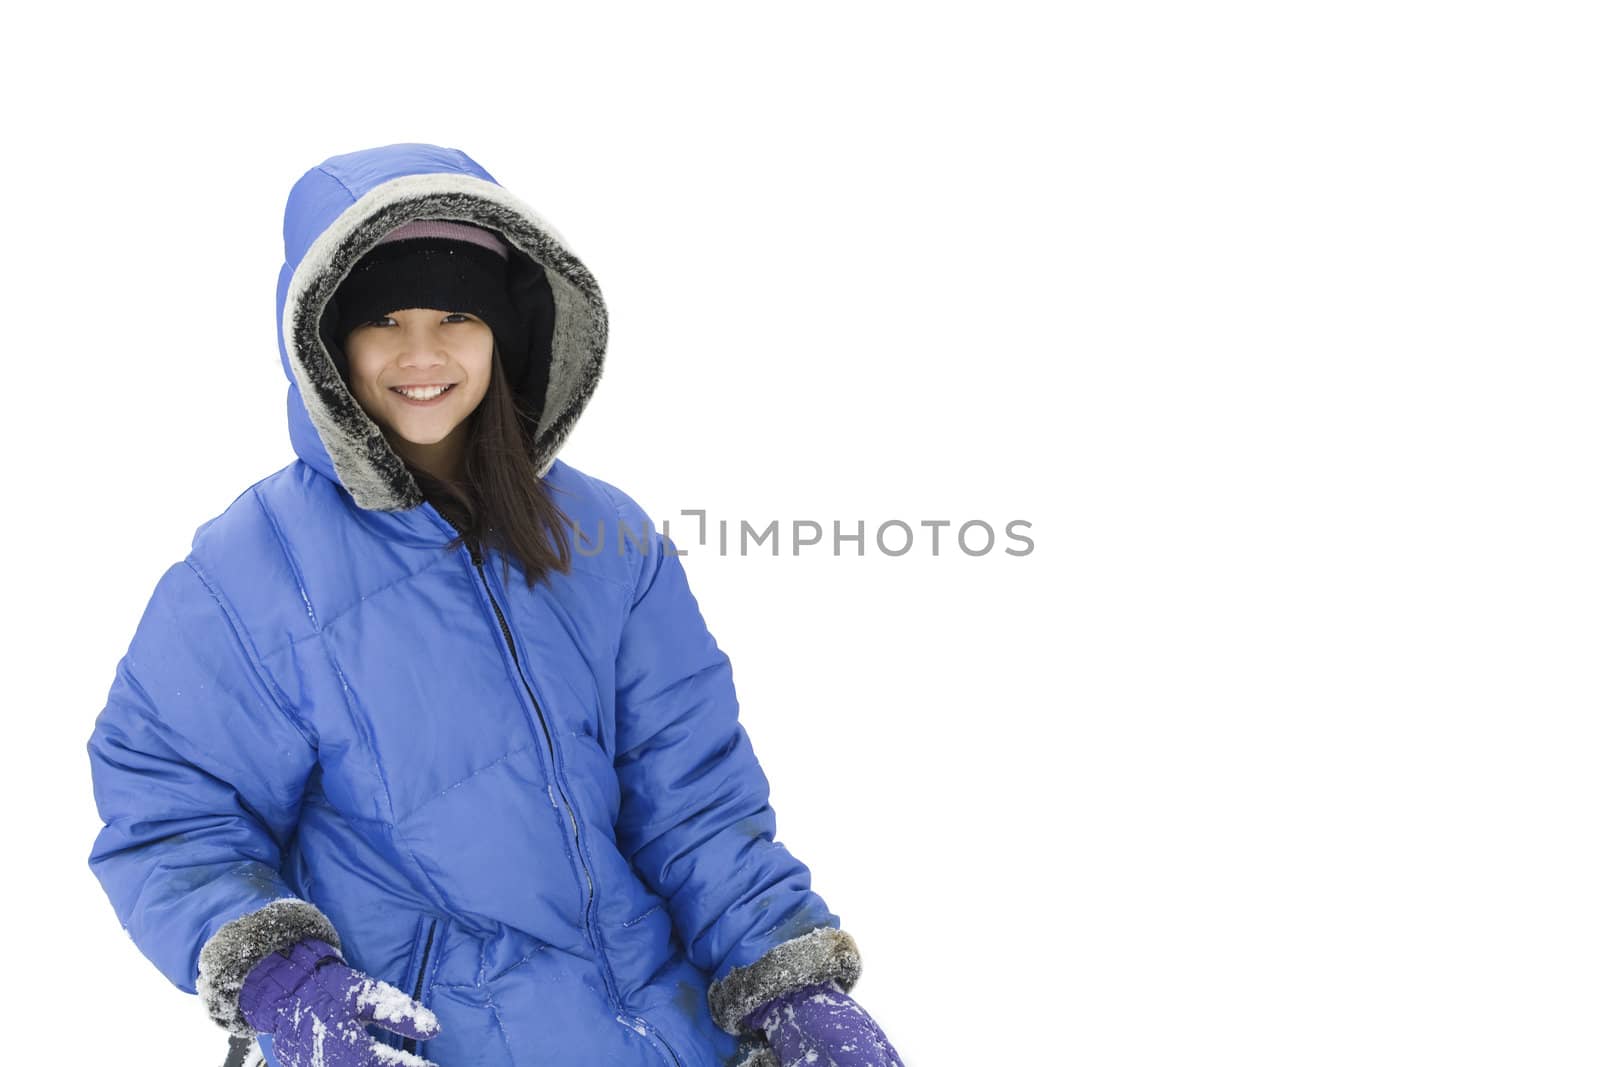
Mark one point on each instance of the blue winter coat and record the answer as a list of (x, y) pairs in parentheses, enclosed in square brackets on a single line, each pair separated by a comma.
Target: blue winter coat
[(534, 809)]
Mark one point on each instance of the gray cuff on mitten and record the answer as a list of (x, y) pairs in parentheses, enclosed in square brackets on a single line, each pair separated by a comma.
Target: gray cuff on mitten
[(234, 950), (811, 958), (760, 1055)]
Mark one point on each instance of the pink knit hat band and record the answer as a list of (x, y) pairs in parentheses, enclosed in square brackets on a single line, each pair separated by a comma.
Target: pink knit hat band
[(453, 231)]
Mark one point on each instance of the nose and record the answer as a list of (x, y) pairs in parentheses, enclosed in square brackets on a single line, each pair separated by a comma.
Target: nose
[(422, 346)]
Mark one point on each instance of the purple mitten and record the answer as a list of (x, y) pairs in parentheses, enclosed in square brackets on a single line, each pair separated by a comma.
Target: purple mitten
[(821, 1026), (314, 1009)]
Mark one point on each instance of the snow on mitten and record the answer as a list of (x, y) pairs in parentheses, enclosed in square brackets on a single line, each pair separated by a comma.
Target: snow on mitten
[(821, 1026), (315, 1009)]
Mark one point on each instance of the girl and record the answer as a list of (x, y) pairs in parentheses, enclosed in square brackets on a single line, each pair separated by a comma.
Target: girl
[(427, 732)]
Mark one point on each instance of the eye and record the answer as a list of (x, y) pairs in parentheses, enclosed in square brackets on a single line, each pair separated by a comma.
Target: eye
[(458, 316)]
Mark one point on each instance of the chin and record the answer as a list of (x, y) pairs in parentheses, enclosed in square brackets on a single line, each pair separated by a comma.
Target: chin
[(423, 439)]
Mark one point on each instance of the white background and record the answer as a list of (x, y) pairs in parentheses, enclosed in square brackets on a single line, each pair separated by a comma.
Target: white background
[(1276, 321)]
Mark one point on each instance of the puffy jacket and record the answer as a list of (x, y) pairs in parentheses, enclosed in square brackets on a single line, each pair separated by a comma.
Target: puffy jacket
[(535, 809)]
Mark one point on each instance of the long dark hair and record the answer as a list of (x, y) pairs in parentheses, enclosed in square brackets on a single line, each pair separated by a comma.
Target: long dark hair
[(502, 502)]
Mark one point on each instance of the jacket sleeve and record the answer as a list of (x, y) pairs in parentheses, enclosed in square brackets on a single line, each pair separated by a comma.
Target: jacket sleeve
[(198, 771), (695, 821)]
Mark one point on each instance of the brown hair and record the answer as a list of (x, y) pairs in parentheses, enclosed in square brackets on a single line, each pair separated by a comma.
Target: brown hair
[(502, 502)]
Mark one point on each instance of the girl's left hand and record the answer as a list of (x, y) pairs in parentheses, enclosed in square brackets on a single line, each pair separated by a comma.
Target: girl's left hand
[(821, 1026)]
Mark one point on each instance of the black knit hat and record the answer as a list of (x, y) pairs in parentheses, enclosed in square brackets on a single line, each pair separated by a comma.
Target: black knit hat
[(418, 267)]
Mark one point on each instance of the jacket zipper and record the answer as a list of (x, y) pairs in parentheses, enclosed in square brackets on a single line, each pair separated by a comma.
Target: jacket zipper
[(505, 630), (577, 844), (410, 1043)]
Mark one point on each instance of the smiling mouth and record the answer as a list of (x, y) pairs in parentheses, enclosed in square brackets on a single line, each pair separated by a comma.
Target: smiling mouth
[(422, 395)]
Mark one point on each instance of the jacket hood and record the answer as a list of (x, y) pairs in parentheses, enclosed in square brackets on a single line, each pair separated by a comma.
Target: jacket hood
[(339, 210)]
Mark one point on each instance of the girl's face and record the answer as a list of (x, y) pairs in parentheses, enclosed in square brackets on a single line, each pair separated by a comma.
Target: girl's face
[(418, 350)]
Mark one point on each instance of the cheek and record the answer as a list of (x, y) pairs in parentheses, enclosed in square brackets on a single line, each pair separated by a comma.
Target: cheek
[(363, 366), (477, 391), (367, 391), (365, 370), (479, 370)]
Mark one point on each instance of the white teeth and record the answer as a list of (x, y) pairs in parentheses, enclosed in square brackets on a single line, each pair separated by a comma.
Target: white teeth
[(422, 394)]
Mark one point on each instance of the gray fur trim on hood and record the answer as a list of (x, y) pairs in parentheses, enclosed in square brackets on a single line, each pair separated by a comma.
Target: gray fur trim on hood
[(233, 951), (811, 958)]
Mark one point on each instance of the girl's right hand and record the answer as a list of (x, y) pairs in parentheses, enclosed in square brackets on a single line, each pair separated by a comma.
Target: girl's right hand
[(315, 1009)]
